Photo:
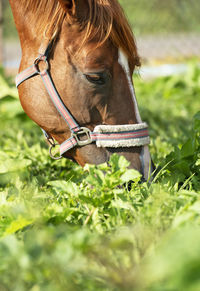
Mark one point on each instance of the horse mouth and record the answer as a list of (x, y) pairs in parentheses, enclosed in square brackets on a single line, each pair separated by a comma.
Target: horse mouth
[(91, 154)]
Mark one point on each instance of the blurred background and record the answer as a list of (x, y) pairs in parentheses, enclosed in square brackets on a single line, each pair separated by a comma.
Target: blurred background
[(167, 34)]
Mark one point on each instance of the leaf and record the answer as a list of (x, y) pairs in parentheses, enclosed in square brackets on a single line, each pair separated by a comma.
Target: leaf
[(18, 224), (196, 121), (118, 162), (183, 167), (96, 178), (188, 149), (11, 165), (130, 175), (118, 203), (197, 162), (65, 186)]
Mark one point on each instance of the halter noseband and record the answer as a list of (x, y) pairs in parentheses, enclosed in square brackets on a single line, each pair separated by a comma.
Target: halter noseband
[(129, 135)]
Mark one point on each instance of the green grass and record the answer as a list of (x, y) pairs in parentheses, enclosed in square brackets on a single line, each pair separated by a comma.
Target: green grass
[(67, 228), (162, 17)]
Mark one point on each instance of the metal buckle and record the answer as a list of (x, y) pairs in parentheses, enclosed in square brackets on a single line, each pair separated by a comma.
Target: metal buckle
[(41, 59), (87, 132)]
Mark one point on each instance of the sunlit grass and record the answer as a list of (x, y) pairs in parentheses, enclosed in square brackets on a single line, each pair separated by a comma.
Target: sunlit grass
[(67, 228)]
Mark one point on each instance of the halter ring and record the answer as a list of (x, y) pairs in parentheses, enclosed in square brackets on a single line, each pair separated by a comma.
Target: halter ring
[(41, 59), (51, 154)]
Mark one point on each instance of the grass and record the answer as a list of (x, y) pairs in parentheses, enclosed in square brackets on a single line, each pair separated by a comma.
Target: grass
[(162, 17), (67, 228)]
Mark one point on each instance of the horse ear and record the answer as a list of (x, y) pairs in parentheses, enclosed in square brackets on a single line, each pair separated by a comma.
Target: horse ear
[(68, 5)]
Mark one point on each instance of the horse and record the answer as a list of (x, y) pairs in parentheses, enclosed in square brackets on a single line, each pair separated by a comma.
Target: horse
[(81, 55)]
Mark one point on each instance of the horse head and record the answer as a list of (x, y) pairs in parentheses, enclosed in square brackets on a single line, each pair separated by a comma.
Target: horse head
[(91, 61)]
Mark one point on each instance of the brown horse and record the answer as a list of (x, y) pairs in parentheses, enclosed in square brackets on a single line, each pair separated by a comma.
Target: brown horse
[(92, 60)]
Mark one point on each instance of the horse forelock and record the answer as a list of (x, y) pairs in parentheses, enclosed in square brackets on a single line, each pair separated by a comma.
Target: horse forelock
[(105, 20)]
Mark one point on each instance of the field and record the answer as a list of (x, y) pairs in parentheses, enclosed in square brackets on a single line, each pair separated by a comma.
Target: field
[(67, 228)]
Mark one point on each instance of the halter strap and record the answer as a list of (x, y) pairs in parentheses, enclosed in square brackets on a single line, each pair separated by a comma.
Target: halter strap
[(104, 135), (57, 101), (124, 138)]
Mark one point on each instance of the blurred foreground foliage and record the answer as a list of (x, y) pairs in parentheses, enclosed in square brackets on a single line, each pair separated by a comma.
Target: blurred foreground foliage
[(67, 228)]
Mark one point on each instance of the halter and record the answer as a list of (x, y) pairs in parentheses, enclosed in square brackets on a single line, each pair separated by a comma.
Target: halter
[(114, 136)]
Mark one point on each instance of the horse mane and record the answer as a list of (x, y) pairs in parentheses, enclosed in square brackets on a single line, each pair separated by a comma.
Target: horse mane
[(106, 19)]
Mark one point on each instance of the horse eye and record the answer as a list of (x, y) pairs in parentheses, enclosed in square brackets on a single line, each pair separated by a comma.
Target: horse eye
[(96, 78)]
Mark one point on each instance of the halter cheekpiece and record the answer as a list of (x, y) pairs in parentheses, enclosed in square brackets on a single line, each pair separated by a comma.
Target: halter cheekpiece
[(116, 136)]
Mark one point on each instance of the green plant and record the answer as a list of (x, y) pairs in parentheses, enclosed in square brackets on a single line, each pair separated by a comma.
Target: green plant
[(67, 228)]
